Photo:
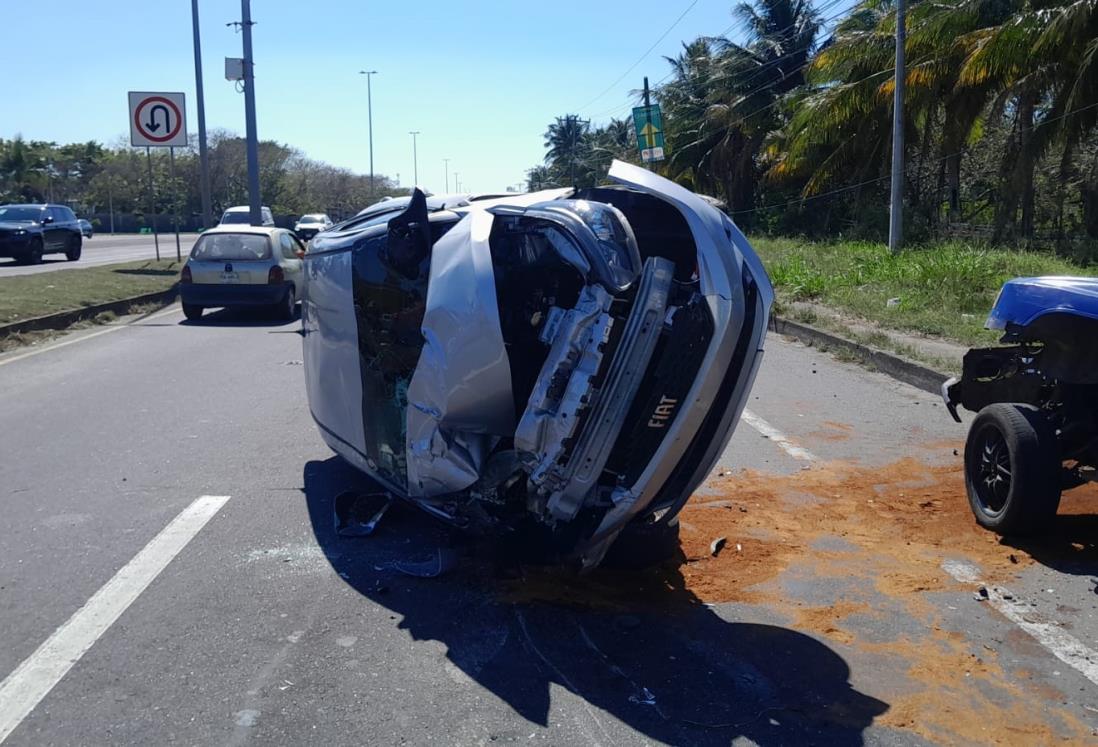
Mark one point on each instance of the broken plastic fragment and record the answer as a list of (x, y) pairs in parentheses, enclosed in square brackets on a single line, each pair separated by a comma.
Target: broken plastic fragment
[(357, 514), (444, 560)]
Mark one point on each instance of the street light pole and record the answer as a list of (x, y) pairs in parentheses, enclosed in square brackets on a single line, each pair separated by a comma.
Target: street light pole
[(896, 206), (415, 158), (446, 173), (370, 119), (254, 200), (203, 155)]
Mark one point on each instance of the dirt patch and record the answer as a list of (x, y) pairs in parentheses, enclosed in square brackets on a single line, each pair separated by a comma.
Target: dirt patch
[(829, 430)]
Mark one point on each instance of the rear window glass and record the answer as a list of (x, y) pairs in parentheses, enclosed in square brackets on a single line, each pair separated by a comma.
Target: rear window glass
[(237, 217), (236, 246)]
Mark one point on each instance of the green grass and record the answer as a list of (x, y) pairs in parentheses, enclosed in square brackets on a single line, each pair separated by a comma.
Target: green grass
[(27, 296), (945, 290)]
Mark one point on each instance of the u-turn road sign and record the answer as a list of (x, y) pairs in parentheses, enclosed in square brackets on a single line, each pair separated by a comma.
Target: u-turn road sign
[(158, 119)]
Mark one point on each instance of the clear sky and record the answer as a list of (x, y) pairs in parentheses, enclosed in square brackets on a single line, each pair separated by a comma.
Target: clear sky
[(481, 80)]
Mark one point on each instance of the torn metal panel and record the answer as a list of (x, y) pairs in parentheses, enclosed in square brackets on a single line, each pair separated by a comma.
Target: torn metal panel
[(564, 387), (459, 398)]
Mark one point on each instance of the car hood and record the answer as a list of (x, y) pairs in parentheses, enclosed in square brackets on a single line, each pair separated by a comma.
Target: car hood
[(1024, 300), (17, 225)]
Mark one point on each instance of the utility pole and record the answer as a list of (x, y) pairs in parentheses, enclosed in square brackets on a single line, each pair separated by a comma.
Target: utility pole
[(446, 173), (457, 184), (896, 205), (254, 200), (370, 120), (203, 155), (415, 158)]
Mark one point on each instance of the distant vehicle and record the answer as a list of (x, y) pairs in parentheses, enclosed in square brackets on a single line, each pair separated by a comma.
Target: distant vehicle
[(1036, 398), (233, 266), (311, 224), (240, 215), (85, 228), (27, 232)]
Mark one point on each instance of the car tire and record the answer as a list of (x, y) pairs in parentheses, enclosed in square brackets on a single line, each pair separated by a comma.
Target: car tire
[(33, 255), (287, 308), (76, 244), (1012, 469), (644, 544), (192, 312)]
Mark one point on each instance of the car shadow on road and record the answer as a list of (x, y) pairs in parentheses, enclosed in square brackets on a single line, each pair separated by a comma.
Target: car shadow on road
[(242, 317), (639, 648), (1069, 545)]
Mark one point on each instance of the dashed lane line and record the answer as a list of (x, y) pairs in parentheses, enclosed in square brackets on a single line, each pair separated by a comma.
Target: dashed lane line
[(769, 431), (23, 689), (1064, 646)]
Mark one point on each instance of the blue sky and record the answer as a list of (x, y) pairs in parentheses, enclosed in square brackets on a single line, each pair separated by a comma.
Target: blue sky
[(480, 80)]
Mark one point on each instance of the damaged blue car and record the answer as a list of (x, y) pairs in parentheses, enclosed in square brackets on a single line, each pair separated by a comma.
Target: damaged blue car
[(1036, 398)]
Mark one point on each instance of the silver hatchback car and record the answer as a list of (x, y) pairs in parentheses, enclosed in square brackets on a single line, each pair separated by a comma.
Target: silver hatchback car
[(233, 266)]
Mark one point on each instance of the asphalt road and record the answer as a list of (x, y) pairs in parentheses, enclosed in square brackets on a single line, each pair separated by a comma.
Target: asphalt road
[(167, 558), (104, 249)]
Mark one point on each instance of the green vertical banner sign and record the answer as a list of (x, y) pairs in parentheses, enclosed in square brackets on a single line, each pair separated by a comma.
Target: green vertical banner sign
[(649, 126)]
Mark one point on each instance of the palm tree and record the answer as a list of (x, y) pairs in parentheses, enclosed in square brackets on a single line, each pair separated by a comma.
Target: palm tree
[(566, 144)]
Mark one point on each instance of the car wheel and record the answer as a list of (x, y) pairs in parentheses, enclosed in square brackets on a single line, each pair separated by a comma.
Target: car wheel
[(288, 308), (1012, 469), (34, 254), (192, 312), (72, 253), (642, 545)]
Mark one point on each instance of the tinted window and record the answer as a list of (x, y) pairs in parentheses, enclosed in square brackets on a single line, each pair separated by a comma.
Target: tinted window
[(287, 246), (231, 246), (20, 212), (66, 214), (238, 217)]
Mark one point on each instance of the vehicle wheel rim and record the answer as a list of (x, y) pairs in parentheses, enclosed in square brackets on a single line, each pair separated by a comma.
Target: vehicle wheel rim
[(993, 471)]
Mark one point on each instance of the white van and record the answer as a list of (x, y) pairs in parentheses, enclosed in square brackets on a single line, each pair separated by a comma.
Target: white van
[(240, 215)]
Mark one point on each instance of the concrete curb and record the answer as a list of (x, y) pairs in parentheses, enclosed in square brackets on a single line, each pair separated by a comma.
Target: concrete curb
[(914, 374), (63, 319)]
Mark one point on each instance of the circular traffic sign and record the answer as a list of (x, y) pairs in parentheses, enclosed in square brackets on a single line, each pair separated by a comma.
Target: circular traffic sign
[(157, 118)]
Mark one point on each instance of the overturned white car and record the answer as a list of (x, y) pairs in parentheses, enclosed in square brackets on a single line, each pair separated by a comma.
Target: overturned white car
[(568, 363)]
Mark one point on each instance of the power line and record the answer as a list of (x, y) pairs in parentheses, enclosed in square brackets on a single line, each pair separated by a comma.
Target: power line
[(640, 59)]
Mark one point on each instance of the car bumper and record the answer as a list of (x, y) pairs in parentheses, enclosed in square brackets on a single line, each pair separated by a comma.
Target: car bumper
[(14, 246), (211, 294), (306, 234)]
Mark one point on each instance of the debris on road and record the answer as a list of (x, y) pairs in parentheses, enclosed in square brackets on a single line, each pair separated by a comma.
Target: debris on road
[(358, 514), (717, 545), (445, 559)]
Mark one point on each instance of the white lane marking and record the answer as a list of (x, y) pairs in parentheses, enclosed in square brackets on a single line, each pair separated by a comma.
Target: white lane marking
[(65, 343), (1064, 646), (790, 448), (25, 687)]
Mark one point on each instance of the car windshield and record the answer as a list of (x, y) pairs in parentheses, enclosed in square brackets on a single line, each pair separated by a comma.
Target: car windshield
[(236, 217), (231, 246), (310, 219), (20, 213)]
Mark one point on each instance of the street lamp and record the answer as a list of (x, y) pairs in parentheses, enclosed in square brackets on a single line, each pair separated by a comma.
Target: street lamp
[(415, 158), (446, 172), (370, 119)]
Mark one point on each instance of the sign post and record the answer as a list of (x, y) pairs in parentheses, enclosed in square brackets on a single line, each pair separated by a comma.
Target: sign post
[(158, 120), (648, 123)]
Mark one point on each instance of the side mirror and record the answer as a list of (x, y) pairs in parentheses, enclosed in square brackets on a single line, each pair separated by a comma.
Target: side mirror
[(47, 219)]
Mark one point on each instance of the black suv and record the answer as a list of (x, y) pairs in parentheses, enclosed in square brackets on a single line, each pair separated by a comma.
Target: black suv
[(29, 231)]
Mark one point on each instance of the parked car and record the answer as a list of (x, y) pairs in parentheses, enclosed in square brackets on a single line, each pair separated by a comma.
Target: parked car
[(567, 364), (234, 266), (85, 228), (1036, 431), (27, 232), (311, 224), (241, 215)]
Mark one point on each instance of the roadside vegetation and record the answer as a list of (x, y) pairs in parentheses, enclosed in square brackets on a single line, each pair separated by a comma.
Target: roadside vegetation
[(786, 116), (944, 290), (28, 296)]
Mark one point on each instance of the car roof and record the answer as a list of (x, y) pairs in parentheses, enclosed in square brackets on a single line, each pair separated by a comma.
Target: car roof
[(243, 208), (243, 228)]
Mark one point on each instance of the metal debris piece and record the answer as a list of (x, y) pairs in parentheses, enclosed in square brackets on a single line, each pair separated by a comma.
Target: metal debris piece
[(981, 594), (717, 545), (358, 514), (445, 559), (644, 697)]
